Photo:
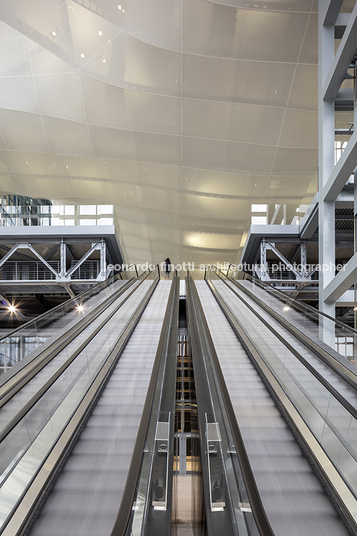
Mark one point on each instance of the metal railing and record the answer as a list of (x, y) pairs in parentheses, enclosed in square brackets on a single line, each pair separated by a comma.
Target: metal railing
[(318, 402), (320, 326)]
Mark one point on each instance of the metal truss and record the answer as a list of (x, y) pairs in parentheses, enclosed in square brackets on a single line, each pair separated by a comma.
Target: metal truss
[(39, 270)]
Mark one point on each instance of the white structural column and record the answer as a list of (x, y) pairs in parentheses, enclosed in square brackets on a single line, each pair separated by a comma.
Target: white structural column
[(332, 71), (326, 149)]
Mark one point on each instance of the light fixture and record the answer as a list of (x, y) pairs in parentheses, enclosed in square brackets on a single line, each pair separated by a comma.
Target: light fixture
[(119, 7), (12, 308), (355, 308), (82, 56), (286, 308), (104, 61), (100, 33), (54, 34), (80, 308)]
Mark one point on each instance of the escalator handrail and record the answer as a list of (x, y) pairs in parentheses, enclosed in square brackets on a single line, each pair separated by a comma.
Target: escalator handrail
[(331, 476), (33, 497), (326, 384), (257, 507), (340, 365), (6, 430), (302, 306), (125, 508), (47, 351), (68, 303)]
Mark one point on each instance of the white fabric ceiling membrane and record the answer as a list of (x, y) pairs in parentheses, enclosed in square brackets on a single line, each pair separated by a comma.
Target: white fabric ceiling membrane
[(181, 113)]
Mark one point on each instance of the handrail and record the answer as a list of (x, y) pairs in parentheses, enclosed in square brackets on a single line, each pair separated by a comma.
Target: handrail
[(330, 388), (333, 479), (68, 303), (286, 298), (258, 511), (50, 349), (29, 503), (136, 269), (154, 390), (341, 366), (39, 394)]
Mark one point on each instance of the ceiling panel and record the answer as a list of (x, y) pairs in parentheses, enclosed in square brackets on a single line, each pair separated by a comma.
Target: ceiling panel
[(14, 57), (132, 64), (7, 166), (46, 62), (213, 207), (208, 182), (294, 161), (45, 187), (53, 32), (235, 122), (216, 30), (60, 95), (141, 173), (6, 31), (281, 5), (112, 106), (181, 114), (115, 143), (31, 165), (36, 12), (227, 156), (299, 129), (148, 216), (303, 94), (23, 131), (211, 240), (18, 93), (157, 22), (67, 137), (74, 166), (265, 83), (308, 53)]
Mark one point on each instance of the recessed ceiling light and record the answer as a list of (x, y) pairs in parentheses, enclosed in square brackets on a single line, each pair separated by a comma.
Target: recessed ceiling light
[(53, 33), (119, 7), (100, 33), (82, 56), (12, 308), (104, 60), (286, 308)]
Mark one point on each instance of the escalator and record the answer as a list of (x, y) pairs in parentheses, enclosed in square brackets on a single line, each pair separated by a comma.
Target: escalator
[(73, 415), (88, 422), (296, 414)]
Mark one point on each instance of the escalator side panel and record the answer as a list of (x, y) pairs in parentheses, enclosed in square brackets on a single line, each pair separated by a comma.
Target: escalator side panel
[(292, 496), (87, 494)]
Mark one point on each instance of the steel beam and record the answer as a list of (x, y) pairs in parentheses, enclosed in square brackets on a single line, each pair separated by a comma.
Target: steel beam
[(326, 117), (342, 171), (8, 254), (331, 11), (41, 259), (81, 261), (345, 54), (342, 281)]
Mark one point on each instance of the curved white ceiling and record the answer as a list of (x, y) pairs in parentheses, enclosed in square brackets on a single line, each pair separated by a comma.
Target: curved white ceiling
[(182, 113)]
